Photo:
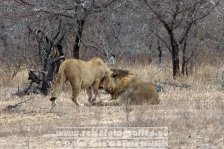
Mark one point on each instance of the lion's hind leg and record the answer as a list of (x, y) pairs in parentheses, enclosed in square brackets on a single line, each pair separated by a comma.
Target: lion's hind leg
[(75, 92), (155, 100), (115, 102), (53, 104)]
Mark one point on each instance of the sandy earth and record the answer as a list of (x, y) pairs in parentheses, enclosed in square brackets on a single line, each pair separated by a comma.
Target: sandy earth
[(193, 120)]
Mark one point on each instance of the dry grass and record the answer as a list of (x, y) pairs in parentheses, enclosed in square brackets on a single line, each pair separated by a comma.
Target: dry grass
[(194, 116), (7, 80)]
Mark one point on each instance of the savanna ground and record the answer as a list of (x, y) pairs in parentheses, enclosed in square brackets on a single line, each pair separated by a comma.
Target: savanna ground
[(194, 116)]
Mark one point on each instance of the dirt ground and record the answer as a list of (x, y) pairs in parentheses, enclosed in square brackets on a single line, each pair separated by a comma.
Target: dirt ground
[(193, 120)]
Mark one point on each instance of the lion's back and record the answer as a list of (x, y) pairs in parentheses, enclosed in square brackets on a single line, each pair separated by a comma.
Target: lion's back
[(145, 92), (87, 68), (97, 67), (84, 72), (71, 67)]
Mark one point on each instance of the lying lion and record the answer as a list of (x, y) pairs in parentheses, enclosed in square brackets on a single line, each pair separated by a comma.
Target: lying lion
[(128, 88), (81, 75)]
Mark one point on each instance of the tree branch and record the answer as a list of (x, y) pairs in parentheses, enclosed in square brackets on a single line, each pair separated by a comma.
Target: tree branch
[(185, 34), (163, 41), (208, 12), (166, 25), (99, 8), (59, 30)]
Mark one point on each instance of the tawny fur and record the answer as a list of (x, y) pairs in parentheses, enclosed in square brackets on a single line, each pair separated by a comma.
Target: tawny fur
[(125, 87), (117, 82), (81, 75)]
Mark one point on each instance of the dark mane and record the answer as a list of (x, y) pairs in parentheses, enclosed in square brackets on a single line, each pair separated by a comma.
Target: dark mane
[(121, 73)]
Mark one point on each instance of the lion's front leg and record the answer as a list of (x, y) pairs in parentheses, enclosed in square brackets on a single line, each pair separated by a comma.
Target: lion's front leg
[(90, 94), (95, 89)]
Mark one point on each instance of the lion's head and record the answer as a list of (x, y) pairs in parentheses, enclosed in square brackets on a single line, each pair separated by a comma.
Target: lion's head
[(125, 84), (116, 81), (108, 82)]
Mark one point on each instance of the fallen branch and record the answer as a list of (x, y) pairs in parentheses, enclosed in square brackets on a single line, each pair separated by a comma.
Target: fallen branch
[(14, 108), (33, 77), (175, 84)]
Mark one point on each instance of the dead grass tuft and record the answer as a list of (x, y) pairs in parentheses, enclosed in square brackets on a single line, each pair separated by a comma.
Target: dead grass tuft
[(19, 79)]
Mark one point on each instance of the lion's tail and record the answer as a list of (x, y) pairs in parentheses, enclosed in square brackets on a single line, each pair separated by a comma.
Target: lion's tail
[(57, 89)]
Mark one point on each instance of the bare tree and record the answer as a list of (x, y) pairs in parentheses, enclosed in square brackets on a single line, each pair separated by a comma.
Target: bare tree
[(72, 13), (48, 23), (178, 17)]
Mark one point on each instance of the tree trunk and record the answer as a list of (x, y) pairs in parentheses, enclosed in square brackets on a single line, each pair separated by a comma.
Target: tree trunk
[(160, 53), (184, 58), (76, 48), (186, 70), (175, 63), (184, 64), (175, 54)]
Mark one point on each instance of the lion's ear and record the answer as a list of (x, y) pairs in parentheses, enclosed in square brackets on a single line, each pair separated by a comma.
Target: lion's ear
[(115, 73)]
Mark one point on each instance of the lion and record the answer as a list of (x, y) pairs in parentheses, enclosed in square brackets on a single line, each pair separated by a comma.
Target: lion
[(81, 75), (125, 86)]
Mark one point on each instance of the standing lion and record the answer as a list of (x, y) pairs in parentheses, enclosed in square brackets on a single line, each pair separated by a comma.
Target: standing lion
[(81, 75), (125, 87)]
